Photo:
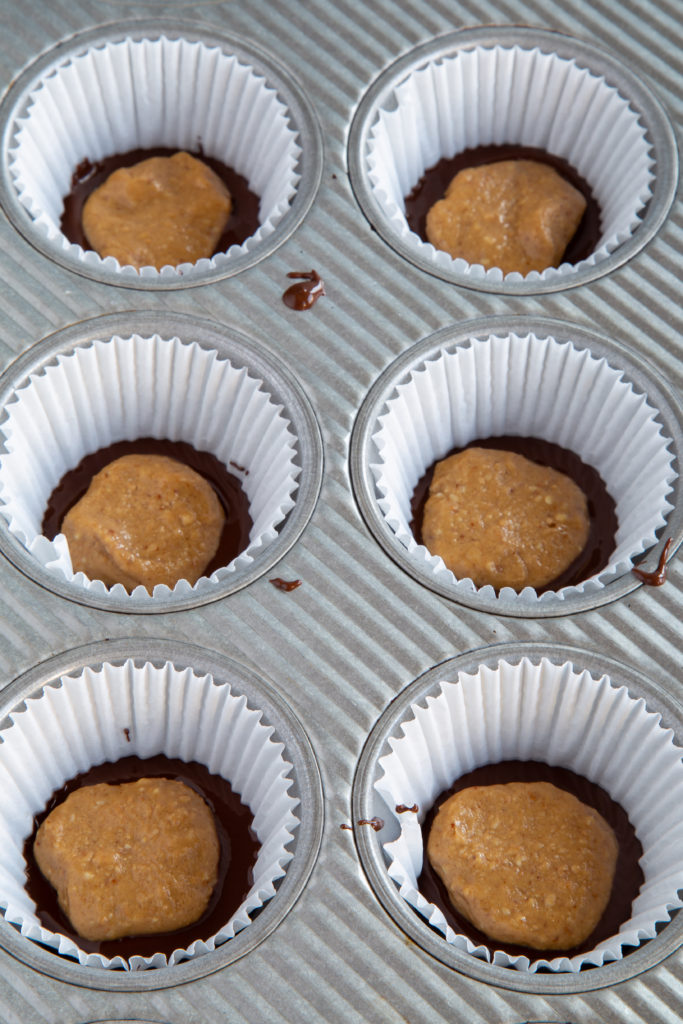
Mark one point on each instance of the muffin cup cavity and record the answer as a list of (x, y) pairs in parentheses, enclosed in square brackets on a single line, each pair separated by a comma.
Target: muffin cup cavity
[(222, 396), (518, 87), (556, 715), (160, 86), (120, 710), (561, 706), (550, 382), (103, 702)]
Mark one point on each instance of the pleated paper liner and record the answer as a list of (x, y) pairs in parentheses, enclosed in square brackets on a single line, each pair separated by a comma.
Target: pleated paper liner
[(520, 87), (567, 389), (117, 711), (558, 716), (162, 84), (80, 391)]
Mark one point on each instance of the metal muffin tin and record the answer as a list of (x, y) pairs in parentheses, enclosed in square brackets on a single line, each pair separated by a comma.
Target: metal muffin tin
[(339, 649)]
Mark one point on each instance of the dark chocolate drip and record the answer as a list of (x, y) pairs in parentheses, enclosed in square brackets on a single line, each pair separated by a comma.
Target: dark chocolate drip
[(375, 823), (432, 186), (306, 293), (286, 585), (403, 809), (601, 507), (244, 216), (238, 524), (628, 876), (658, 577), (239, 848)]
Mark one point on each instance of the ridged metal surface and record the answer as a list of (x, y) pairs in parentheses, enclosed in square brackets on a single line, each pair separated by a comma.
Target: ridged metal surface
[(358, 630)]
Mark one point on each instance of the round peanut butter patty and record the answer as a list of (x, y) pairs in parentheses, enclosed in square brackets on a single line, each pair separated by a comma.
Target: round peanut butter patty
[(518, 215), (162, 211), (133, 859), (145, 519), (497, 518), (526, 863)]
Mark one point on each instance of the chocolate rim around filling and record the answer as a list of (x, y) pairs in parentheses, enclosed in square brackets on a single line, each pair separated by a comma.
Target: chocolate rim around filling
[(228, 488), (628, 876), (601, 506), (244, 216), (436, 179), (239, 847)]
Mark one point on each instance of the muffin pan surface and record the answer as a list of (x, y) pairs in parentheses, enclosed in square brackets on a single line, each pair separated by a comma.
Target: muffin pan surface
[(340, 650)]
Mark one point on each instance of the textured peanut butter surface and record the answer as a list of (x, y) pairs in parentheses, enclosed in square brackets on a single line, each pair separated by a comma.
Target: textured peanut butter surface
[(162, 211), (525, 862), (132, 859), (518, 215), (500, 519), (145, 519)]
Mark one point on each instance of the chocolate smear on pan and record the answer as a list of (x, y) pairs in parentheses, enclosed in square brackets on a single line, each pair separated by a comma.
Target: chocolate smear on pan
[(306, 292), (628, 876), (286, 585), (239, 848), (601, 506), (658, 577), (433, 184), (236, 529), (244, 216)]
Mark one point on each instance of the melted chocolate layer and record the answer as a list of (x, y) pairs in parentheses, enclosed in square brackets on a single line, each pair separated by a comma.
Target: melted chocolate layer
[(601, 507), (238, 524), (244, 216), (628, 876), (238, 844), (433, 184)]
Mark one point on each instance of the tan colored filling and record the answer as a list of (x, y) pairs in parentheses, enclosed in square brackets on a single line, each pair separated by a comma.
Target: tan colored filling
[(145, 519), (500, 519), (162, 211), (518, 215), (526, 863), (133, 859)]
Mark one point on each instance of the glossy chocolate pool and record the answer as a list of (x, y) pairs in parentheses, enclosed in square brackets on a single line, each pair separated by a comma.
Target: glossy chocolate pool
[(238, 843), (433, 184), (601, 507), (242, 223), (228, 488), (628, 876)]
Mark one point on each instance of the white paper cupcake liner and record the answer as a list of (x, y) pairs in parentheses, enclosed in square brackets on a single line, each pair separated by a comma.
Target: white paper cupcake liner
[(153, 92), (514, 95), (135, 387), (550, 713), (126, 710), (526, 386)]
